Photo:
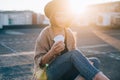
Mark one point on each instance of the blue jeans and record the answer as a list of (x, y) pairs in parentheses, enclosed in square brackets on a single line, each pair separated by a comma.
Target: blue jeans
[(71, 64)]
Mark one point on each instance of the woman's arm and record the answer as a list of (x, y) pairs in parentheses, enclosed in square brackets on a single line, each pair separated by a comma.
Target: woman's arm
[(41, 47), (53, 52), (43, 53), (47, 57)]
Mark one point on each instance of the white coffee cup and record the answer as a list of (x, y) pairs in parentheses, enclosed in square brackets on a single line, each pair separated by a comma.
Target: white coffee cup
[(59, 38)]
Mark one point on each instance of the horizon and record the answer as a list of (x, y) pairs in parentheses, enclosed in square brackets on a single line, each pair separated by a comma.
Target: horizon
[(38, 5)]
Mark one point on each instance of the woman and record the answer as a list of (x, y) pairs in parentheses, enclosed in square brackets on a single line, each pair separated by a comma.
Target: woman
[(64, 61)]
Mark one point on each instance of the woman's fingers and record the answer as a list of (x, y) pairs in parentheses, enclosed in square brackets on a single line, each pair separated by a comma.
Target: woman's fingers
[(60, 44), (59, 48)]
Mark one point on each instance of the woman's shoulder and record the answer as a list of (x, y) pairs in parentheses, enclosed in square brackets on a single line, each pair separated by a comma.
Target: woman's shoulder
[(46, 29), (44, 32)]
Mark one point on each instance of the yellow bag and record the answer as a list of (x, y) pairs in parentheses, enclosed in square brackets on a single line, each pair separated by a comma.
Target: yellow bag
[(41, 74)]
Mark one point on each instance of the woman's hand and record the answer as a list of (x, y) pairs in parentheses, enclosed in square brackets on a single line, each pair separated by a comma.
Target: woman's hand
[(58, 47), (55, 50)]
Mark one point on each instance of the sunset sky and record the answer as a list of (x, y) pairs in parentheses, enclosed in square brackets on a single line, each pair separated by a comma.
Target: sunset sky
[(38, 5)]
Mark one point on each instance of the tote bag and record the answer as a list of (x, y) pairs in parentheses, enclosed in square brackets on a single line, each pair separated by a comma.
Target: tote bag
[(41, 74)]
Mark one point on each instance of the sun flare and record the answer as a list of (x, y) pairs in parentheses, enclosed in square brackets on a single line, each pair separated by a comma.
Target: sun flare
[(78, 6)]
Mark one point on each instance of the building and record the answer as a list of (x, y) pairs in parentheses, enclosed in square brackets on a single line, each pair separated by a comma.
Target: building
[(105, 14), (20, 18)]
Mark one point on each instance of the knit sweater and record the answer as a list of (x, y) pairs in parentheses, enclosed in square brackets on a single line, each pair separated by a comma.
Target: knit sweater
[(45, 41)]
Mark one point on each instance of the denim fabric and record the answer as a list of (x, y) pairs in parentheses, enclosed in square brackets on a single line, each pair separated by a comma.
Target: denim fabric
[(71, 64)]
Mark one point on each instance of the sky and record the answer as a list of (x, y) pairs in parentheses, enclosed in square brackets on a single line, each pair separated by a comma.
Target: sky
[(38, 5)]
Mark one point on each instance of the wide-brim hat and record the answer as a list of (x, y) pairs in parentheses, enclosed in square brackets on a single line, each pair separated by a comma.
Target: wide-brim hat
[(57, 5)]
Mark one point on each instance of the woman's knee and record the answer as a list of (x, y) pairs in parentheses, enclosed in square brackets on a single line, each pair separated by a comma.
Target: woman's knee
[(96, 62)]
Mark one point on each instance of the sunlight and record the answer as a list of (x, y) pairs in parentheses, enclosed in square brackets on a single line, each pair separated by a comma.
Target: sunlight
[(38, 5), (78, 6)]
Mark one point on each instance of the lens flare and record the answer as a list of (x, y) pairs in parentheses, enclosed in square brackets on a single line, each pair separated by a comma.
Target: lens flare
[(78, 6)]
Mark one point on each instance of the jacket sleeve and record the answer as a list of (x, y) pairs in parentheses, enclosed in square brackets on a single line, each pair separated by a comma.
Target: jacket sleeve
[(41, 48)]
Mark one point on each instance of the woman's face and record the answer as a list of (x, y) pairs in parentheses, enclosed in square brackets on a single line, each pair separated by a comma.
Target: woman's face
[(61, 18)]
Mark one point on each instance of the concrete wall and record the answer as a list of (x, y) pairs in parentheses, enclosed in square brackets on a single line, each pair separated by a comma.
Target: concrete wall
[(19, 18), (15, 18), (108, 19)]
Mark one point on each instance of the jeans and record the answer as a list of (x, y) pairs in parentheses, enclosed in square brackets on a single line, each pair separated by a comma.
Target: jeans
[(71, 64)]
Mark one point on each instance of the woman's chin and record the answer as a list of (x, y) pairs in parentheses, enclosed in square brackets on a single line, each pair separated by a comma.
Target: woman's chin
[(61, 26)]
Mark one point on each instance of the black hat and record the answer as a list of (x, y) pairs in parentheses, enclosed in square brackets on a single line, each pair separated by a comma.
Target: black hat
[(56, 5)]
